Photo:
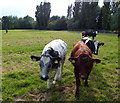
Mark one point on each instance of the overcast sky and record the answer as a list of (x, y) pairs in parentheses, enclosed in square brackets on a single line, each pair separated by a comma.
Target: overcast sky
[(21, 8)]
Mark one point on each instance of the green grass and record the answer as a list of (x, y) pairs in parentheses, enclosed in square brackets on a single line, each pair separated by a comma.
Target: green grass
[(21, 76)]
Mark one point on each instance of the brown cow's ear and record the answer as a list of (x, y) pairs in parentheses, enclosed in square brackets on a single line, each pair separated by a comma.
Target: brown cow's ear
[(96, 60), (72, 60)]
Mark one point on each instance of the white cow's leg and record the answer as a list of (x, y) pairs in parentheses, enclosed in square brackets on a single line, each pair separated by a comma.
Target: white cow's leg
[(61, 68), (48, 83), (58, 73), (56, 76)]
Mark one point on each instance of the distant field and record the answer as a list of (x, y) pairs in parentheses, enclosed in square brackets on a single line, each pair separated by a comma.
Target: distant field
[(21, 76)]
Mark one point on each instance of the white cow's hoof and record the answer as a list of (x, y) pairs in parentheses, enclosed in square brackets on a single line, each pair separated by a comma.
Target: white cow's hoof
[(48, 87), (54, 82)]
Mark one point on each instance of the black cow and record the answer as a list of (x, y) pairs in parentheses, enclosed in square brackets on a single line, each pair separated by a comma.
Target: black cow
[(89, 34)]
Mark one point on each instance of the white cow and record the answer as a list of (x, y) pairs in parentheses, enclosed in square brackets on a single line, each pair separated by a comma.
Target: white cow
[(53, 57)]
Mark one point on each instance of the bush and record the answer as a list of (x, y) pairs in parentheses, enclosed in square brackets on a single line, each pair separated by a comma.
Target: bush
[(59, 24)]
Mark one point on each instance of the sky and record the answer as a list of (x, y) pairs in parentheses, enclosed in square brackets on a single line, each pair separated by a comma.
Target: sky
[(21, 8)]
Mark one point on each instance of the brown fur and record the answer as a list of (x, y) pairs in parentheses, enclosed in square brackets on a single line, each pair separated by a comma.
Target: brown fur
[(83, 63)]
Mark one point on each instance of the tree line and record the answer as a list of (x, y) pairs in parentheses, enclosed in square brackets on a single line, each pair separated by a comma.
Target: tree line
[(13, 22), (80, 16)]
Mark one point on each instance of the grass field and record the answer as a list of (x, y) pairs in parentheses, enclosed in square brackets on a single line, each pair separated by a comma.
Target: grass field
[(21, 76)]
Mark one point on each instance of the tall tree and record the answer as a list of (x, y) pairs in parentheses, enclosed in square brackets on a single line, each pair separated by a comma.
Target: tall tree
[(99, 20), (42, 14), (0, 23), (69, 12), (7, 22), (114, 24), (28, 22), (76, 10), (106, 14), (84, 15), (92, 15), (113, 7)]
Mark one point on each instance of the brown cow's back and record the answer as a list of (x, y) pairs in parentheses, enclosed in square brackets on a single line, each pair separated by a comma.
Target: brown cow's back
[(80, 48)]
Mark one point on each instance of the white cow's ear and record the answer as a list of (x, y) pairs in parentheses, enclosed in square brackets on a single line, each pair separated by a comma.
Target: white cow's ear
[(35, 58)]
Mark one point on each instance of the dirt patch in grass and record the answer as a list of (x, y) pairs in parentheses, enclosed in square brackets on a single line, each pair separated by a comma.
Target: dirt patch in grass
[(61, 92)]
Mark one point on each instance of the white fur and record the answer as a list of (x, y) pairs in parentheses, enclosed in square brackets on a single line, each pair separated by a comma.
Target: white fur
[(96, 45), (61, 47), (87, 39)]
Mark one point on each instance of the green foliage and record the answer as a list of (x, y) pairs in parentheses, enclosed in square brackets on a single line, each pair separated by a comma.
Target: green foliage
[(88, 15), (7, 22), (73, 25), (21, 76), (69, 12), (42, 14), (26, 23), (106, 16), (84, 16), (114, 24), (13, 22), (53, 18), (58, 24)]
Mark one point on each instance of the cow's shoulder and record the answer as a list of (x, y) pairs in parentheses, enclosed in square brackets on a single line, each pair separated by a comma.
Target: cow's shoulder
[(80, 48)]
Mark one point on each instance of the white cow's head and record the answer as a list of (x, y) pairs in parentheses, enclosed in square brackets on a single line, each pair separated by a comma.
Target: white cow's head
[(50, 59), (96, 47), (93, 45)]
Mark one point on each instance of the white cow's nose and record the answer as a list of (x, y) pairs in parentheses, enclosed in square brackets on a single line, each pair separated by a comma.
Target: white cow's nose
[(43, 76)]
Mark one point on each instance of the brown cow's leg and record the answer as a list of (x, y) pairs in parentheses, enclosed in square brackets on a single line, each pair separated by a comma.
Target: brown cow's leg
[(77, 83), (86, 82)]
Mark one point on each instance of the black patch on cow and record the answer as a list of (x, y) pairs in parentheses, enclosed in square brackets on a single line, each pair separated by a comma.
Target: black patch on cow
[(56, 62), (54, 56), (91, 45), (84, 40), (90, 34), (52, 52)]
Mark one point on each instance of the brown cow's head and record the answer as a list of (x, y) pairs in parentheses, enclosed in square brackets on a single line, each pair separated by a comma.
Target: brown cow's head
[(83, 58), (84, 64)]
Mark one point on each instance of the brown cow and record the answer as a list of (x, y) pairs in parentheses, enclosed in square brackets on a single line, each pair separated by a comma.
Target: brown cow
[(82, 60)]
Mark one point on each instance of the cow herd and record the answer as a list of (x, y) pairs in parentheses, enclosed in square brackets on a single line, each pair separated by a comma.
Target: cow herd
[(53, 58)]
